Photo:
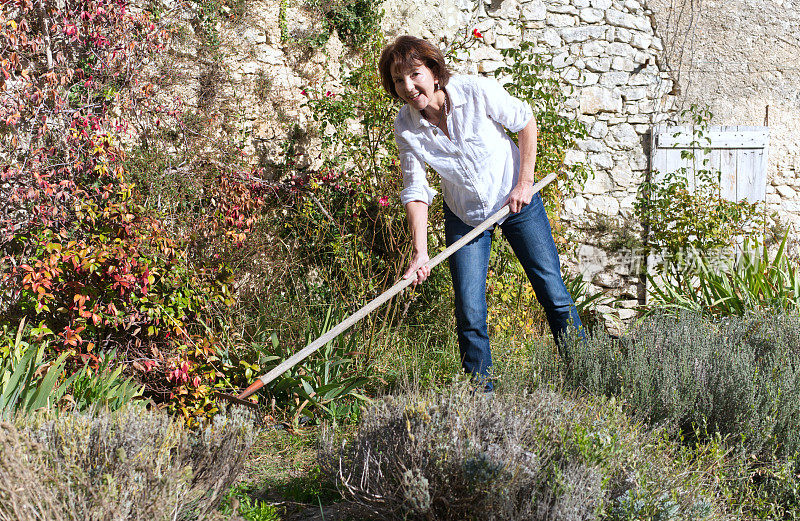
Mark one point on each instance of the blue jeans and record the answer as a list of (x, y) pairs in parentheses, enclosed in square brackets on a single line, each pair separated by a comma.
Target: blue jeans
[(528, 232)]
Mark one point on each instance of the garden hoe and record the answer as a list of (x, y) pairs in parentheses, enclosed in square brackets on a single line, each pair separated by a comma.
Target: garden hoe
[(374, 304)]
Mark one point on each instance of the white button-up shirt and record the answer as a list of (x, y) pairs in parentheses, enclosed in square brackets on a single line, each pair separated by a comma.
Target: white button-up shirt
[(479, 163)]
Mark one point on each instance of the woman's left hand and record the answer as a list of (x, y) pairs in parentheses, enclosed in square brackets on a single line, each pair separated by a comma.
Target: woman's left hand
[(520, 196)]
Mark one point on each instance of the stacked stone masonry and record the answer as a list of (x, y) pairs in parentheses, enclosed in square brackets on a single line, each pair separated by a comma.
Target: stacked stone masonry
[(741, 58)]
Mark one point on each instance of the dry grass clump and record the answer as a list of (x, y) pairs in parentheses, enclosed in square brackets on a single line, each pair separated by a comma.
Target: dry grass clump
[(129, 465), (533, 456), (27, 490)]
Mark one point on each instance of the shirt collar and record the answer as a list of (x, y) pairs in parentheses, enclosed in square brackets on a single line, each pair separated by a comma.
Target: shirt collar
[(456, 99)]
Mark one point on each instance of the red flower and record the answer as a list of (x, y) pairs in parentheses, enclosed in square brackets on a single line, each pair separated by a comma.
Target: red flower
[(383, 200), (476, 33)]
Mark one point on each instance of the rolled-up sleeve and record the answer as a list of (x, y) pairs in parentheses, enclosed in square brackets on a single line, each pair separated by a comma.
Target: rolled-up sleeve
[(415, 182), (512, 113)]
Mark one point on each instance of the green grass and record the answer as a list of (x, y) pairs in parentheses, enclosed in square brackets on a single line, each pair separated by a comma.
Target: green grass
[(278, 456), (239, 501), (282, 476), (429, 359), (424, 357)]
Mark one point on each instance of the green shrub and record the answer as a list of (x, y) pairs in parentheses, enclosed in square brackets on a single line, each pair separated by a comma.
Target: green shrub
[(328, 384), (356, 21), (345, 223), (684, 211), (586, 302), (459, 455), (83, 258), (732, 286), (239, 500), (103, 386), (343, 219), (132, 464), (29, 383), (739, 377), (761, 489), (21, 390)]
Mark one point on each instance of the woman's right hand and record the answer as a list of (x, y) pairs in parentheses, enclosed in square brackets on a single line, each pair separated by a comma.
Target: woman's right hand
[(418, 268)]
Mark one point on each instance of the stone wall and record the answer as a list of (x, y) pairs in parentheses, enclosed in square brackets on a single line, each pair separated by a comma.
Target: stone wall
[(250, 83), (605, 49), (742, 59), (634, 65)]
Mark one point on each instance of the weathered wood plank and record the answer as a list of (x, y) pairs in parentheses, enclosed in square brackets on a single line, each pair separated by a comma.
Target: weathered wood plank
[(727, 165), (658, 156), (746, 163), (712, 138), (738, 153)]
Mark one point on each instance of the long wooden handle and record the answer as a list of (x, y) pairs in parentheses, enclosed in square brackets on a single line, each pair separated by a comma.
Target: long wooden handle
[(381, 299)]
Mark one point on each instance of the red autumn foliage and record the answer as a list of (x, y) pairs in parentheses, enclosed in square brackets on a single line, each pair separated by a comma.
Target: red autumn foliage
[(81, 257)]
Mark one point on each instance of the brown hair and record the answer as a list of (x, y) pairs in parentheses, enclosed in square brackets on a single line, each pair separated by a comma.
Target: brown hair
[(405, 52)]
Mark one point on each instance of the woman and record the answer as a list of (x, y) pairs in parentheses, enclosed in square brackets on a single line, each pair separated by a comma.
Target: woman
[(455, 125)]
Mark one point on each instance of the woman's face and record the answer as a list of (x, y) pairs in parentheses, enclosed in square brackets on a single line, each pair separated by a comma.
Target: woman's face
[(415, 86)]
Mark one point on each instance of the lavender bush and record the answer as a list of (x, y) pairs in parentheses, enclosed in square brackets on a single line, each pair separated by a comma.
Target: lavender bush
[(539, 456), (129, 465), (738, 376)]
